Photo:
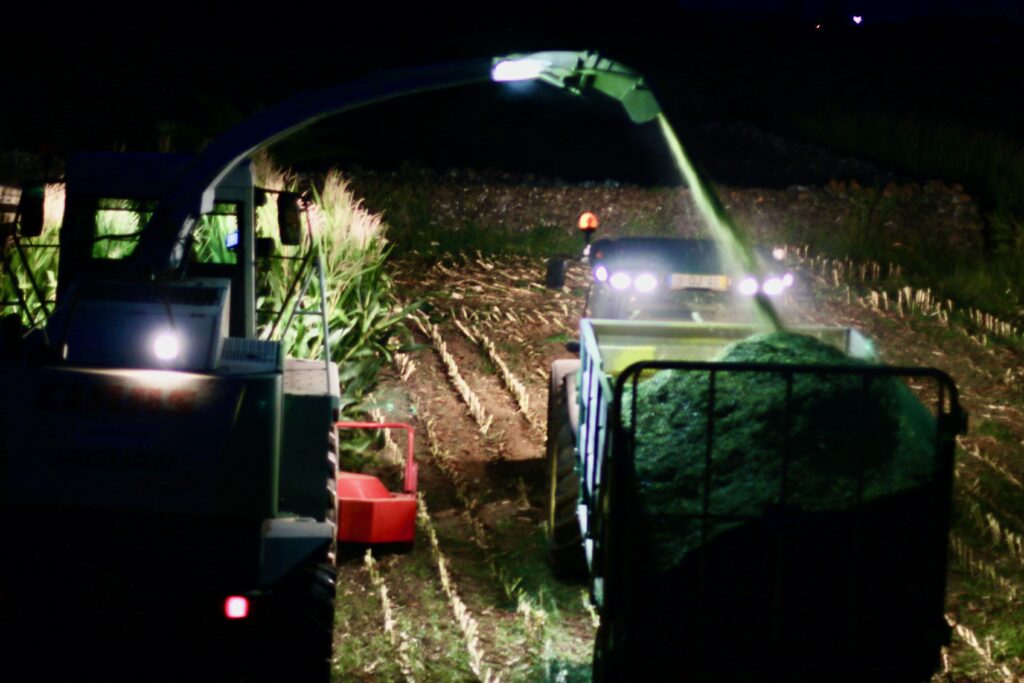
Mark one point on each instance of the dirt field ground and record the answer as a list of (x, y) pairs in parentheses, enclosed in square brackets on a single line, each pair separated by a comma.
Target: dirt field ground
[(474, 599)]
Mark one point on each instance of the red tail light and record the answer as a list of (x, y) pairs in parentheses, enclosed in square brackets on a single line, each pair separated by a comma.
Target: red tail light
[(236, 607)]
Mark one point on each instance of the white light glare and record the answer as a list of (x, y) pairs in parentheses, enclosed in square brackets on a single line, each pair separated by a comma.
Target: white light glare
[(778, 253), (518, 70), (621, 280), (857, 19), (748, 286), (773, 286), (600, 273), (645, 282), (166, 345), (788, 279)]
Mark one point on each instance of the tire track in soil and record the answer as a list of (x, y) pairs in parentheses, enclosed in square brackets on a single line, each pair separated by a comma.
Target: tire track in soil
[(517, 440), (500, 627), (420, 602), (471, 362)]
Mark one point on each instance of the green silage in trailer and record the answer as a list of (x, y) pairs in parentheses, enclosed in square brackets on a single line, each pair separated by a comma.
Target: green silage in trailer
[(836, 427), (813, 545)]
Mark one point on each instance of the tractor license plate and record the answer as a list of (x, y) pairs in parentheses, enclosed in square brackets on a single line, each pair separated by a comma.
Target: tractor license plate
[(718, 283)]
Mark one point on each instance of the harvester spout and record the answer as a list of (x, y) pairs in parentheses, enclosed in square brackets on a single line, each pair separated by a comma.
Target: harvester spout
[(163, 242), (578, 72)]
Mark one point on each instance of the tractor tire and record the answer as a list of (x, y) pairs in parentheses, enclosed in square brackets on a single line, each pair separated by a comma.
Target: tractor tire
[(564, 541), (300, 641), (606, 666)]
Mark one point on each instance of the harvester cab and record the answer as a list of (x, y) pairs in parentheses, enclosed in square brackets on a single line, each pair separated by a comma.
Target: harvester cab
[(193, 464)]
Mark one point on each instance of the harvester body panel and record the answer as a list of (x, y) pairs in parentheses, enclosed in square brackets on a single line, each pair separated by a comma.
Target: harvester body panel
[(156, 457)]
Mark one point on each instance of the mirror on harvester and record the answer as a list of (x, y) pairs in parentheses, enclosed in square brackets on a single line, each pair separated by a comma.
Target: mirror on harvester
[(289, 218), (30, 211), (554, 278)]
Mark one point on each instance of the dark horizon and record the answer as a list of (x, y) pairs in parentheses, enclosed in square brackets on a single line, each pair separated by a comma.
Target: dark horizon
[(103, 82)]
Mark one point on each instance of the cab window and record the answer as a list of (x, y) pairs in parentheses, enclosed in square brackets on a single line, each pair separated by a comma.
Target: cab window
[(120, 221)]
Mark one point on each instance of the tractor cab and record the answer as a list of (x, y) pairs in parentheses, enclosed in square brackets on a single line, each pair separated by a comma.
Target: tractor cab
[(672, 278)]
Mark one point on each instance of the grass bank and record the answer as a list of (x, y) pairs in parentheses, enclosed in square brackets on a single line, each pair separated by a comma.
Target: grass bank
[(989, 164)]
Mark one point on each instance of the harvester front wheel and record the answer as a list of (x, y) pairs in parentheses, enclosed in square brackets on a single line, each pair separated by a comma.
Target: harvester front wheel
[(302, 627), (565, 543)]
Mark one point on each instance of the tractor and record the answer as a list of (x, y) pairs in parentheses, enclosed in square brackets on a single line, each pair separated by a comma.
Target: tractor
[(685, 486), (670, 278)]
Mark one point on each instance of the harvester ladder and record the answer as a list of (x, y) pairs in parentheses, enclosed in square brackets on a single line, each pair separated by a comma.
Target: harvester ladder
[(312, 262), (315, 266)]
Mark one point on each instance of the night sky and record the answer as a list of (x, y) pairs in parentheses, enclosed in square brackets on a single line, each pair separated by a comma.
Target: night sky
[(106, 77)]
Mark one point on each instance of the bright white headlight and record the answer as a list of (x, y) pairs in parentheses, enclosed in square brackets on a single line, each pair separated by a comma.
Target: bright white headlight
[(620, 280), (600, 273), (773, 286), (778, 253), (788, 279), (645, 282), (748, 286), (518, 69), (166, 345)]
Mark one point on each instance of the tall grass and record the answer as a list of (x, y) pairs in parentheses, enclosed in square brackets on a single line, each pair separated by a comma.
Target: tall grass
[(989, 163), (363, 311)]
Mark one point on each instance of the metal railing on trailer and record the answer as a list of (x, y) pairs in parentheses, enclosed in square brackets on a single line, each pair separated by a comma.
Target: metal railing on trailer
[(847, 561)]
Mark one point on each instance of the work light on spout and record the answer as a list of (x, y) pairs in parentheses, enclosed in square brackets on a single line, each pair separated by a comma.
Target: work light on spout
[(578, 72)]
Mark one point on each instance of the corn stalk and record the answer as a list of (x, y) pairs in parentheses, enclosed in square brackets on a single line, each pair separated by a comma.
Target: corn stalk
[(473, 403), (979, 324), (534, 617), (981, 646), (512, 383), (397, 637), (467, 623), (979, 568)]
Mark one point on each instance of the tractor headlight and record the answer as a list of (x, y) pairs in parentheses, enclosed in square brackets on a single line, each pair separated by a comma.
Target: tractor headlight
[(166, 345), (600, 273), (773, 286), (620, 280), (748, 286), (645, 282)]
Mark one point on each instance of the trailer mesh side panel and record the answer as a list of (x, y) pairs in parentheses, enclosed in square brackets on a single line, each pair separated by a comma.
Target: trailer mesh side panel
[(780, 518)]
